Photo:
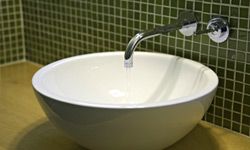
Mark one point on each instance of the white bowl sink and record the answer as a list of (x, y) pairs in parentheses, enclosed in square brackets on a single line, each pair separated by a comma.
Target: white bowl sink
[(104, 106)]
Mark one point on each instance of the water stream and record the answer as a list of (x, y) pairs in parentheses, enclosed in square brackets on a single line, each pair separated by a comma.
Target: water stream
[(128, 86)]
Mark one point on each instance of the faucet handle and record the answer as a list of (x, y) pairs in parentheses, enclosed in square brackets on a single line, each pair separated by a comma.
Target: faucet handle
[(217, 30), (187, 23), (220, 29)]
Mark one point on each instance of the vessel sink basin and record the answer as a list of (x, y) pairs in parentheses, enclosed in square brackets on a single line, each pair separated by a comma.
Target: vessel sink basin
[(101, 105)]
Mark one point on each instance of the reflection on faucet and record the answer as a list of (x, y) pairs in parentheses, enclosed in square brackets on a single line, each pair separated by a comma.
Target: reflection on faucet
[(186, 23)]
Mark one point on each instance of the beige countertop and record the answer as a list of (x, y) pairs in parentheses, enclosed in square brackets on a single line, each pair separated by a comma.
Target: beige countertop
[(24, 126)]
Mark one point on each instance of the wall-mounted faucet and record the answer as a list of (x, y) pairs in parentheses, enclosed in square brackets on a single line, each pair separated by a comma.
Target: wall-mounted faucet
[(186, 23)]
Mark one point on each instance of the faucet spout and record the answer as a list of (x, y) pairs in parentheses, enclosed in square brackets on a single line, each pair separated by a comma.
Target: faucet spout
[(186, 20), (133, 43), (141, 36)]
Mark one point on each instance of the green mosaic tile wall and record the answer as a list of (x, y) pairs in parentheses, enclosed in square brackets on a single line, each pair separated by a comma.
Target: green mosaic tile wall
[(11, 31), (55, 29)]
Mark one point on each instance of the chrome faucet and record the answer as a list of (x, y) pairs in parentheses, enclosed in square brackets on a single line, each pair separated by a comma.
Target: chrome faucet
[(217, 30), (186, 24)]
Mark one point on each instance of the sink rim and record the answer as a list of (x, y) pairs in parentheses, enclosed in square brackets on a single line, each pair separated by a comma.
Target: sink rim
[(37, 77)]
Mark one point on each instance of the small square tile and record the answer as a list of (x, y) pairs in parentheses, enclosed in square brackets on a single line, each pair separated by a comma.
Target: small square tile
[(243, 23), (226, 1), (198, 6), (234, 11), (238, 87), (229, 84), (227, 124), (218, 121), (245, 130), (227, 114), (216, 8), (246, 110), (236, 117), (237, 108), (173, 3), (238, 97), (236, 127), (244, 12), (247, 89), (190, 5), (248, 68), (219, 102), (245, 3), (225, 10), (235, 2), (246, 120), (231, 64), (181, 4), (239, 77)]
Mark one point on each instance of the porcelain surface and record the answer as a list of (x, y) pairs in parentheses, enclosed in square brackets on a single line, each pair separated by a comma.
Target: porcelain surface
[(102, 105)]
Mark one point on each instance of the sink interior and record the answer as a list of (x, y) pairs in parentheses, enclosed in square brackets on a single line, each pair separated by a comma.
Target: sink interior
[(102, 79)]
